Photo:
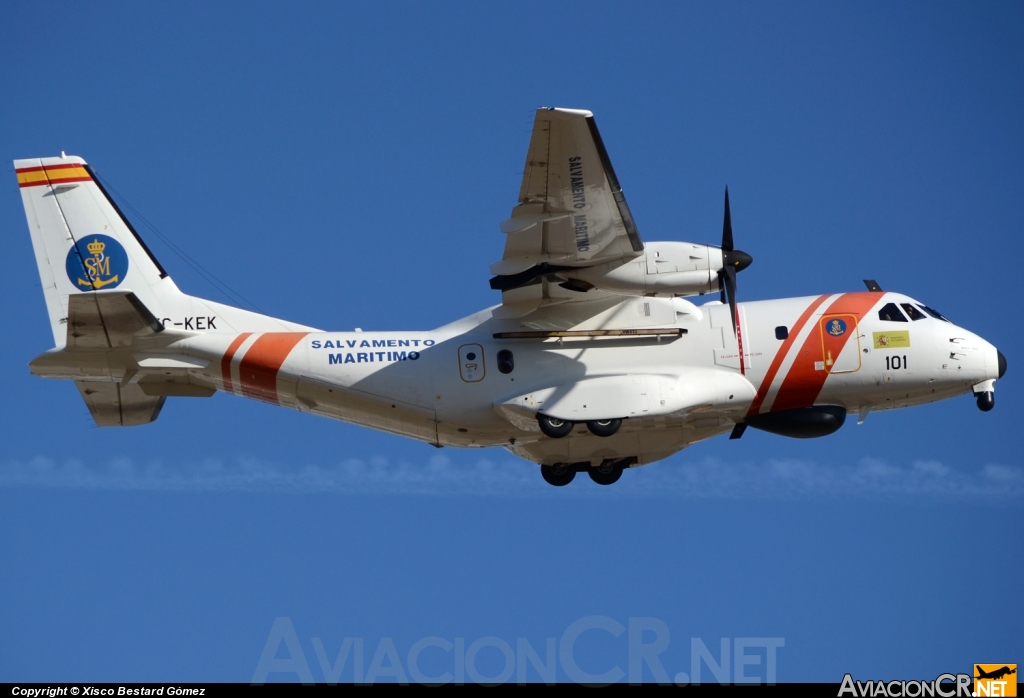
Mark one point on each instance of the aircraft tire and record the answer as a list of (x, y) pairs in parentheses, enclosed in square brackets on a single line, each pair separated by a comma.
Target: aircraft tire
[(553, 427), (558, 474), (986, 401), (605, 474), (604, 427)]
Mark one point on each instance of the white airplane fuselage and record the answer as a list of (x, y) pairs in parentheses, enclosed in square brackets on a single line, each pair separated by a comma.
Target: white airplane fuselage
[(691, 386)]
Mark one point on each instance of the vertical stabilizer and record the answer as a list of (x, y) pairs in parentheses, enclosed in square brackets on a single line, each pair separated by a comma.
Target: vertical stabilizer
[(83, 244), (81, 240)]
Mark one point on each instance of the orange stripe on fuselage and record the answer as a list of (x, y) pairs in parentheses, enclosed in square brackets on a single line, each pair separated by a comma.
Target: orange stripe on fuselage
[(52, 174), (803, 383), (780, 355), (261, 363), (225, 363)]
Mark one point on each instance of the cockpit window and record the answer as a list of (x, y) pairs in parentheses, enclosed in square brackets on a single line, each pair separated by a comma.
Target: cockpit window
[(891, 313), (935, 313), (913, 312)]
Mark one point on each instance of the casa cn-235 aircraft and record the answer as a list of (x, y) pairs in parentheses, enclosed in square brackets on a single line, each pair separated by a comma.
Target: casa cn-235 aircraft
[(594, 361)]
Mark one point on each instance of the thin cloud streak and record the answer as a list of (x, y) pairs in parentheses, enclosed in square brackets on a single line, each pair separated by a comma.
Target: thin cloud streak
[(440, 475)]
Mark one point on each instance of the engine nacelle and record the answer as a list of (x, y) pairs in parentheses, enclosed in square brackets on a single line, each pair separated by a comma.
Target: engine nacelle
[(664, 269)]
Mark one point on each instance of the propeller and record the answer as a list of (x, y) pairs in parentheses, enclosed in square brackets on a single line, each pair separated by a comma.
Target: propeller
[(733, 260)]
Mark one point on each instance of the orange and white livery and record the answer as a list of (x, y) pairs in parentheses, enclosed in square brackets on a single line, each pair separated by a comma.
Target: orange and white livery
[(595, 360)]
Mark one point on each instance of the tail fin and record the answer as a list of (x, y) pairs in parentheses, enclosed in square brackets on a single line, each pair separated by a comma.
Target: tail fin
[(83, 243)]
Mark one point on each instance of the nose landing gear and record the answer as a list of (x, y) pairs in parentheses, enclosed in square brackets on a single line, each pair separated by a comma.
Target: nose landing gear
[(986, 400)]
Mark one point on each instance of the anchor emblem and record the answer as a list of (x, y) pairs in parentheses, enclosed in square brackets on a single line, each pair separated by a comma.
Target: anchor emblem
[(105, 265)]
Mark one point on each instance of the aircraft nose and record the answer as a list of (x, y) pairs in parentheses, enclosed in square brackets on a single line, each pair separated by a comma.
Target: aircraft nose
[(1002, 363)]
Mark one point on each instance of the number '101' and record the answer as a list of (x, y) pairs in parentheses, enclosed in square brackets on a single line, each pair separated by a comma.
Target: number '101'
[(894, 363)]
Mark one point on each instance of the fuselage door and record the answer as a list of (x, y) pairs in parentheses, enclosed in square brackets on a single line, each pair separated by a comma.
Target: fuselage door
[(840, 343), (471, 363)]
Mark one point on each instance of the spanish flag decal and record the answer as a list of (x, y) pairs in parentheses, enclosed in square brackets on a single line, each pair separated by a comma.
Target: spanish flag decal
[(893, 339), (52, 174)]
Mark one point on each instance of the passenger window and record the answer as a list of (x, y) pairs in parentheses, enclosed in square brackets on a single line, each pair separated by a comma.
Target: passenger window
[(506, 363), (935, 314), (891, 313), (781, 332), (913, 312)]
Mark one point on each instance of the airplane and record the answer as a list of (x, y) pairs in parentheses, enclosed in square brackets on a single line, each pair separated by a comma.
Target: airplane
[(594, 361), (994, 674)]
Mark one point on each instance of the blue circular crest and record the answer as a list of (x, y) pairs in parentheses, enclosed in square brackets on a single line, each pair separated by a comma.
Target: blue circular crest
[(96, 262), (835, 327)]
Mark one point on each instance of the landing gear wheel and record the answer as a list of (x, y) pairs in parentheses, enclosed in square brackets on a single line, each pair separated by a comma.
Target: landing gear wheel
[(604, 427), (554, 427), (559, 474), (606, 473), (986, 401)]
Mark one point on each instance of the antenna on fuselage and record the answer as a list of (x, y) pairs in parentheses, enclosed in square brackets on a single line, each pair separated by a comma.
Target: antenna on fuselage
[(873, 286)]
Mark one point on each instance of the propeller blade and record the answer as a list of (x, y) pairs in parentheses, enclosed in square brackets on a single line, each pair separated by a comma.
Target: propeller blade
[(727, 226), (730, 293), (733, 261)]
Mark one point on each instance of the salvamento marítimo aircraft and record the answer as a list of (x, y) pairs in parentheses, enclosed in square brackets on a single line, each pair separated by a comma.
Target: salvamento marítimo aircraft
[(594, 360)]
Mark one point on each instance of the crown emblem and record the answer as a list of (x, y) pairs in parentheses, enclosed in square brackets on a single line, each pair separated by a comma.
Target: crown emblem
[(96, 247)]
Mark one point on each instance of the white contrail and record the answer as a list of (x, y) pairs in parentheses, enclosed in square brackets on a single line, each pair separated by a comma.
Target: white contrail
[(440, 475)]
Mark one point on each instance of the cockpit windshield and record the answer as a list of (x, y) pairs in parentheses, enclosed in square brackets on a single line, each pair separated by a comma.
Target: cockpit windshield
[(934, 313), (913, 312), (890, 313)]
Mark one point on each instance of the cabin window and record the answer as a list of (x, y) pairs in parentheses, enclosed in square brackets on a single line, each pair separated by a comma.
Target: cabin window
[(913, 312), (891, 313), (506, 362), (781, 332)]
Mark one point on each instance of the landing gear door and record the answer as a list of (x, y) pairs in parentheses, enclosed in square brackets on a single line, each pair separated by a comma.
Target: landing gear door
[(840, 343), (471, 363)]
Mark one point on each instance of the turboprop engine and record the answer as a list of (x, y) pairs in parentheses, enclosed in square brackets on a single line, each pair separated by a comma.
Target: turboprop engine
[(664, 269), (652, 269)]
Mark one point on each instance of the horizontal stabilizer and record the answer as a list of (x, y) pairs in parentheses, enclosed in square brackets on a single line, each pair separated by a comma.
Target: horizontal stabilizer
[(108, 319), (116, 405)]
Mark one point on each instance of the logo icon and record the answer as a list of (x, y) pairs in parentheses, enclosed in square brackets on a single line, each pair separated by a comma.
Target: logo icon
[(836, 327), (995, 679), (95, 262)]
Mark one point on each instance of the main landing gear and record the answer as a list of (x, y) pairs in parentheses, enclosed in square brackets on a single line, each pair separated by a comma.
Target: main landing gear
[(554, 427), (557, 428), (559, 474), (607, 473)]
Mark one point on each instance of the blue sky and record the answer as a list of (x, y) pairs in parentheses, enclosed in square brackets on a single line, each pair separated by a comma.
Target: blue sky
[(344, 166)]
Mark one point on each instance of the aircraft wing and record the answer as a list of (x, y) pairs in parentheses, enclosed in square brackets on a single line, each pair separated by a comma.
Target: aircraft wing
[(571, 211)]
